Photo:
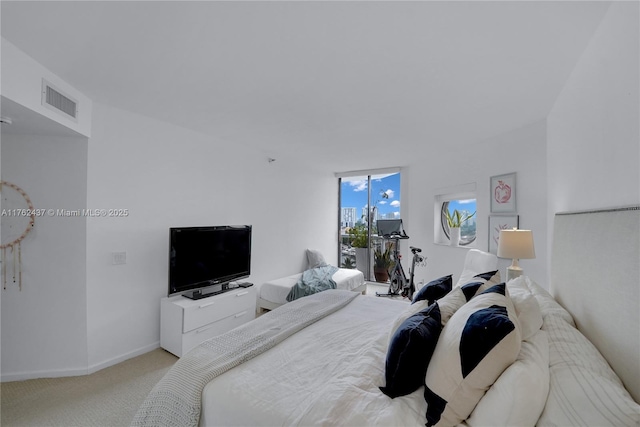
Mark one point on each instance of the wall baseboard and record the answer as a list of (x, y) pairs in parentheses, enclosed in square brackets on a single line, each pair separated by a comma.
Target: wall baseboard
[(22, 376), (59, 373), (114, 361)]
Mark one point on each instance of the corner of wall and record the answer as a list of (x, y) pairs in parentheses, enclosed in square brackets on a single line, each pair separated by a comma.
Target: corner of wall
[(22, 83)]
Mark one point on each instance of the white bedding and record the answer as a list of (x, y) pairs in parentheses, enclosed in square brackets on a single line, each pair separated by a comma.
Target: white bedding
[(329, 374), (276, 291), (338, 387)]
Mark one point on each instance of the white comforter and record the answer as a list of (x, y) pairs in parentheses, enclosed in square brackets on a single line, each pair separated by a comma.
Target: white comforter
[(339, 387), (329, 374)]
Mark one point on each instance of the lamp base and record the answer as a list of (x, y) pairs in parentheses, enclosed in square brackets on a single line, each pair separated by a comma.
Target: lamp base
[(513, 272)]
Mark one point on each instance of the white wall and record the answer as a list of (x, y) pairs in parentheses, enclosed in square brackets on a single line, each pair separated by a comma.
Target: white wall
[(522, 151), (44, 325), (169, 176), (585, 155), (593, 129), (22, 82), (593, 151)]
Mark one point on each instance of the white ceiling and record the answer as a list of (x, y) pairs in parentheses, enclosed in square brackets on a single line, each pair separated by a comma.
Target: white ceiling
[(347, 85)]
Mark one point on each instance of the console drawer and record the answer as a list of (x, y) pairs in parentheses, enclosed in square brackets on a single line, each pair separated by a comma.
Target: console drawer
[(208, 310), (195, 337), (184, 323)]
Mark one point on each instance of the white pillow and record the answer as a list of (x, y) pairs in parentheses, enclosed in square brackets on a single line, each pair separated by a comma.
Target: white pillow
[(527, 307), (314, 259), (518, 396), (476, 261), (548, 305), (459, 295), (478, 343)]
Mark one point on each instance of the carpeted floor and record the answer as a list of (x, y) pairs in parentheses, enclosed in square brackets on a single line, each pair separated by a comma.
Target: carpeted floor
[(109, 397), (382, 288)]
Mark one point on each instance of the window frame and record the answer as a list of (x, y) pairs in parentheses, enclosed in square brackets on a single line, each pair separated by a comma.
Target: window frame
[(445, 225), (369, 175), (440, 226)]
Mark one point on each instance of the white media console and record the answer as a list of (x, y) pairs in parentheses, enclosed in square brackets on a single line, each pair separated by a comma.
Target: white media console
[(185, 323)]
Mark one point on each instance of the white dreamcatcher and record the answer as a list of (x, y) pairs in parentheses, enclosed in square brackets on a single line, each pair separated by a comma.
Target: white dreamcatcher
[(18, 218)]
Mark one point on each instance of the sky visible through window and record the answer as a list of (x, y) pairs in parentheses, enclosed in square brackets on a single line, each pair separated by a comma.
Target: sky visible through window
[(468, 228), (354, 195), (468, 205)]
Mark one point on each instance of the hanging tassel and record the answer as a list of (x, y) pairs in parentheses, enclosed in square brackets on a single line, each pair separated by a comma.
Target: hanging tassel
[(13, 273), (20, 266), (4, 268)]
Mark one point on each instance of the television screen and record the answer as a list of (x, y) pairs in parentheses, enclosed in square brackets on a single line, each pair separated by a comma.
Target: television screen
[(206, 256)]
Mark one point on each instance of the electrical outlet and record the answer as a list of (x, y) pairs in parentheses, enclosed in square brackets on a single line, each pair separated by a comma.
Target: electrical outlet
[(118, 258)]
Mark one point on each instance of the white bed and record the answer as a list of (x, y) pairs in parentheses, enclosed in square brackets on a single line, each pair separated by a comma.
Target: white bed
[(328, 371), (320, 376), (274, 292)]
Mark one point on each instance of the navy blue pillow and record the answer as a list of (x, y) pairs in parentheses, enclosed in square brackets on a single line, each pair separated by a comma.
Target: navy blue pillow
[(469, 290), (478, 328), (434, 290), (488, 275), (410, 351), (500, 288)]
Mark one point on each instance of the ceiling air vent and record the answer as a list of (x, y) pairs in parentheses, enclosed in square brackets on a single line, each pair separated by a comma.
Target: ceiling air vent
[(55, 100)]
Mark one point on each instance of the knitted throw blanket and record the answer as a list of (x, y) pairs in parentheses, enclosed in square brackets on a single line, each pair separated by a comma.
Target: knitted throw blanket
[(177, 399)]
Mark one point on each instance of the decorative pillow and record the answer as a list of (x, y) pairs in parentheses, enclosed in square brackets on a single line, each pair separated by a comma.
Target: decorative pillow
[(434, 290), (455, 299), (527, 307), (548, 305), (451, 302), (409, 352), (314, 259), (492, 276), (476, 345), (407, 313), (520, 393)]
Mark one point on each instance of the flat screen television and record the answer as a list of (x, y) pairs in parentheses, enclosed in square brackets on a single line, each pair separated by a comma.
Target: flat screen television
[(205, 259)]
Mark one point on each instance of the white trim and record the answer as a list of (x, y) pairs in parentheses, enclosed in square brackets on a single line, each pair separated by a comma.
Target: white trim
[(368, 172), (456, 192), (114, 361), (59, 373), (625, 208), (22, 376)]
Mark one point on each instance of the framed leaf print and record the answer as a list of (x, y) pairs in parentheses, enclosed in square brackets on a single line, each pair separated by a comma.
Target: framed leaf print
[(497, 223)]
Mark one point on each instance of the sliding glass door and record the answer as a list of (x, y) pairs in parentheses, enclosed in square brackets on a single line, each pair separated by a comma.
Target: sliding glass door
[(363, 200)]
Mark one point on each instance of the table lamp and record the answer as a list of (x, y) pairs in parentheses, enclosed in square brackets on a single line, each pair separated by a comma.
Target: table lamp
[(515, 244)]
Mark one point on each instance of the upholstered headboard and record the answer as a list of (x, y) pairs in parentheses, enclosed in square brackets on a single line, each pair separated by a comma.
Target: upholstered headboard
[(595, 275)]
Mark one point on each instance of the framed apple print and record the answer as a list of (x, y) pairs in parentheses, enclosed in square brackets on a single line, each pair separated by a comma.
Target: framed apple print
[(503, 193)]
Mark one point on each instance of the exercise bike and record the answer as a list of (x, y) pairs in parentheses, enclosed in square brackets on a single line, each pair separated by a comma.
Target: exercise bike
[(398, 282)]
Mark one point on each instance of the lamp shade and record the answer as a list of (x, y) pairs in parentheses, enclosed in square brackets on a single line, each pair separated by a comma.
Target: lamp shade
[(516, 244)]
